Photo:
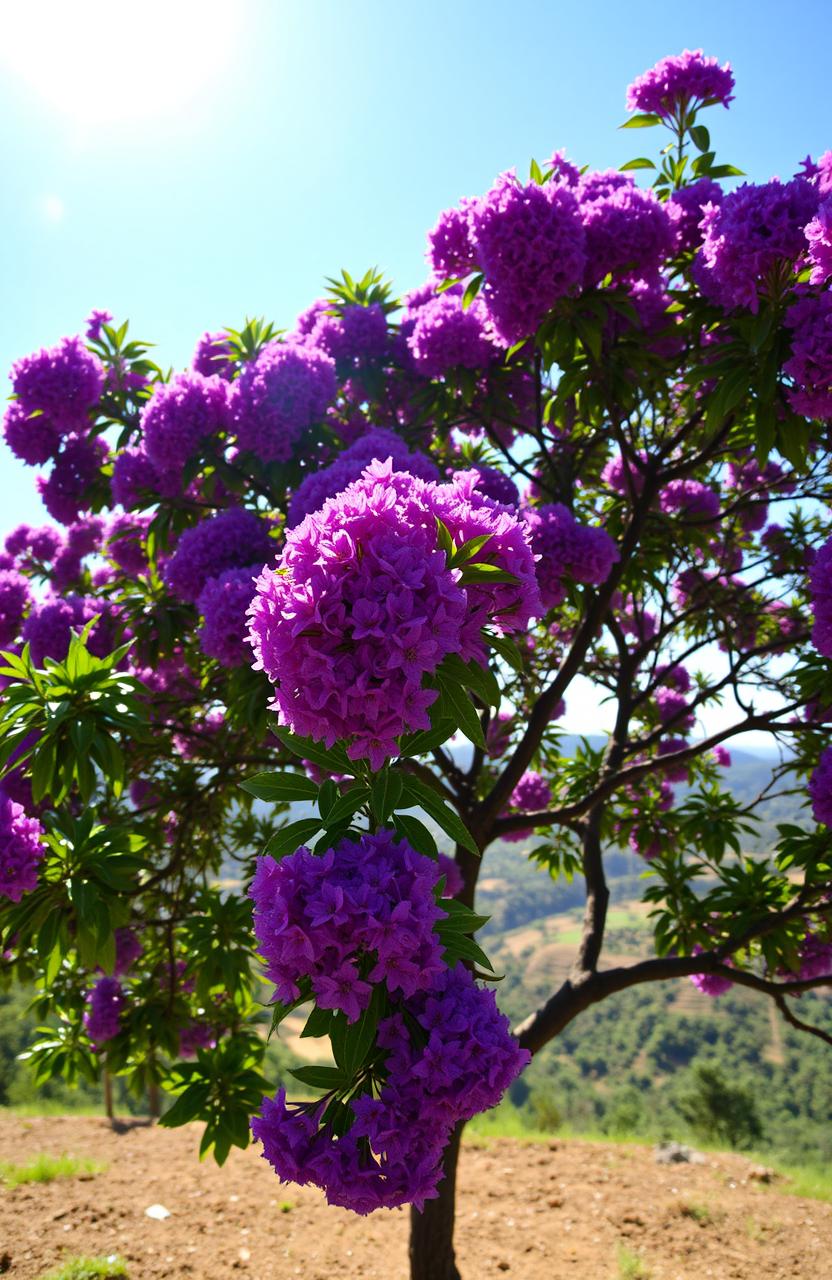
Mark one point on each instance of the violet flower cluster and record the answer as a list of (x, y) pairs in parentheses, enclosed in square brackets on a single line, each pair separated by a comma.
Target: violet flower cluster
[(362, 607), (820, 582), (49, 626), (820, 789), (565, 549), (63, 383), (681, 82), (362, 913), (444, 335), (533, 794), (65, 492), (810, 364), (449, 1055), (15, 597), (278, 396), (180, 416), (223, 603), (21, 849), (233, 539), (628, 231), (105, 1002)]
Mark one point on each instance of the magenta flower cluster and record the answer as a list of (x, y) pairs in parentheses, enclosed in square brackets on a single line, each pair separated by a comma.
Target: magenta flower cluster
[(21, 849), (180, 416), (566, 549), (66, 491), (213, 356), (223, 603), (49, 626), (444, 335), (820, 581), (63, 383), (233, 539), (810, 364), (105, 1002), (362, 607), (361, 914), (14, 601), (533, 794), (628, 231), (691, 499), (278, 396), (459, 1062), (376, 444), (354, 333), (685, 209), (681, 82), (819, 238), (820, 789)]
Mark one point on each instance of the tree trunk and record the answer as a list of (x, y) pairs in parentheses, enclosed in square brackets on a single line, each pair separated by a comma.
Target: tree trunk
[(108, 1095), (432, 1231)]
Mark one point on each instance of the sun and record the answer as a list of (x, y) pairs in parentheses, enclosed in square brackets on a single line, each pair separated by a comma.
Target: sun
[(106, 63)]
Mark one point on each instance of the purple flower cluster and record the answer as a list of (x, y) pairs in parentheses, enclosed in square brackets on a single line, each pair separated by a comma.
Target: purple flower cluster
[(450, 251), (624, 476), (820, 581), (66, 491), (360, 914), (14, 600), (680, 82), (180, 415), (135, 480), (529, 243), (461, 1063), (363, 606), (49, 627), (819, 236), (105, 1001), (810, 364), (128, 950), (195, 1036), (533, 794), (628, 232), (565, 548), (820, 789), (755, 231), (356, 333), (63, 383), (494, 484), (95, 322), (454, 883), (445, 336), (223, 603), (21, 849), (233, 539), (690, 498), (376, 444), (279, 395), (710, 984), (815, 958), (498, 734), (685, 208), (32, 440), (213, 356), (125, 543)]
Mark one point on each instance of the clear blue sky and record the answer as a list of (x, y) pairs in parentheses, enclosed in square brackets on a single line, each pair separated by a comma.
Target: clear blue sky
[(211, 161)]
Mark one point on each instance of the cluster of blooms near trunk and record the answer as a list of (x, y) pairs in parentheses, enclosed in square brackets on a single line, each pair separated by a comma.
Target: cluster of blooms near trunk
[(312, 607)]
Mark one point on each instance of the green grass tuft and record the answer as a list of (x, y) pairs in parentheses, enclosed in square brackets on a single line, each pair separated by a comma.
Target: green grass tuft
[(47, 1168), (631, 1266), (111, 1268)]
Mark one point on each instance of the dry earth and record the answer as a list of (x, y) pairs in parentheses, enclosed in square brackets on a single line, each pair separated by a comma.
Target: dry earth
[(538, 1212)]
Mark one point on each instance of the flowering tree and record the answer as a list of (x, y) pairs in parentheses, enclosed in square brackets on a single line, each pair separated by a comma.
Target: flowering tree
[(596, 444)]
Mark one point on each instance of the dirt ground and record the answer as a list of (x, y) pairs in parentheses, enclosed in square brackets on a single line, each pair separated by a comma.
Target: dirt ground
[(541, 1212)]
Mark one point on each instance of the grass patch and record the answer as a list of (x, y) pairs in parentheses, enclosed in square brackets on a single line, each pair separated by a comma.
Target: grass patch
[(701, 1213), (813, 1182), (631, 1266), (111, 1268), (47, 1169)]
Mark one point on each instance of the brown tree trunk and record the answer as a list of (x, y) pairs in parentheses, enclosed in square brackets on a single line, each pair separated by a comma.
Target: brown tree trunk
[(108, 1095), (432, 1231)]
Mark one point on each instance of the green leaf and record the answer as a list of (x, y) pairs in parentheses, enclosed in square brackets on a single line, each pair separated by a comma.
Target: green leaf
[(415, 744), (481, 680), (507, 650), (466, 713), (416, 834), (644, 120), (318, 1023), (327, 796), (726, 171), (730, 390), (460, 918), (345, 806), (446, 542), (290, 838), (331, 759), (481, 573), (281, 787), (468, 549), (326, 1078), (447, 818), (640, 163), (471, 290), (386, 794), (353, 1041), (700, 137)]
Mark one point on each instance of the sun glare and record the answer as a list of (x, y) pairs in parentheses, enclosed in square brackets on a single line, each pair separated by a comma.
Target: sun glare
[(105, 63)]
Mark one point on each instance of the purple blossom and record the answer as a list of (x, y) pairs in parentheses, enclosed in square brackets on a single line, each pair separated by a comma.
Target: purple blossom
[(679, 83), (369, 902), (685, 208), (454, 883), (820, 582), (673, 709), (815, 957), (533, 794), (445, 336), (196, 1036), (180, 416), (722, 756), (564, 549), (49, 627), (66, 491), (213, 356), (63, 382), (810, 364), (820, 789), (21, 849), (754, 232), (128, 950), (628, 232), (493, 484), (625, 476), (33, 440), (95, 322), (498, 734), (819, 236), (43, 542), (355, 333), (690, 498), (126, 543), (530, 245), (710, 984), (14, 601), (233, 539), (376, 444), (105, 1001), (450, 251), (135, 481), (86, 536), (278, 396), (223, 603)]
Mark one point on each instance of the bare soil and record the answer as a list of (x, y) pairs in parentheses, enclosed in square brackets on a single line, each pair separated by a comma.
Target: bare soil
[(537, 1211)]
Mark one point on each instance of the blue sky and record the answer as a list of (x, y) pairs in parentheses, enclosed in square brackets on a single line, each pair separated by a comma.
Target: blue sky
[(208, 161)]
